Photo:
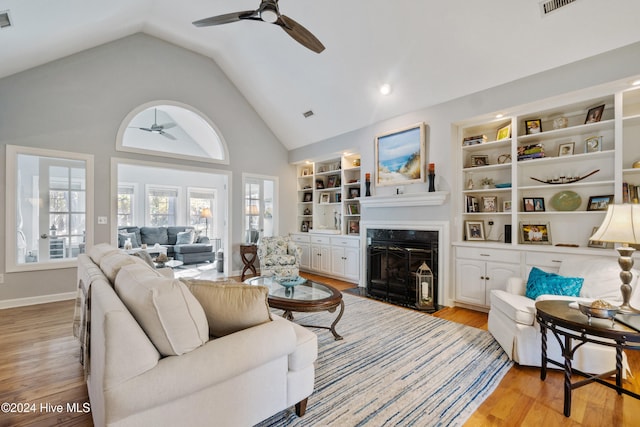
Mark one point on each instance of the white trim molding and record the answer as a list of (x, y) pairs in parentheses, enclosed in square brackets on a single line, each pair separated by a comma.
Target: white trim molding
[(435, 198)]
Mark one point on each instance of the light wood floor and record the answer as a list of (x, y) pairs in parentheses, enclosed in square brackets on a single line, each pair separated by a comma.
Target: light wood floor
[(39, 365)]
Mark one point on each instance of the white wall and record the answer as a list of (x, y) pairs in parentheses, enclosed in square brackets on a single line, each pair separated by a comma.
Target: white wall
[(78, 103)]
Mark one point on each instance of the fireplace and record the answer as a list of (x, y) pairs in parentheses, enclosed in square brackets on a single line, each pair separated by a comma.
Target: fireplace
[(392, 259)]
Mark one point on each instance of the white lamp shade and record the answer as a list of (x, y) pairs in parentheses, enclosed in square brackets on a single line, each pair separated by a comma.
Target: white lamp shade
[(620, 225)]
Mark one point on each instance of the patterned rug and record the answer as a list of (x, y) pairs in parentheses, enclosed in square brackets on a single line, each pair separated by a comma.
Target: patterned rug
[(397, 367)]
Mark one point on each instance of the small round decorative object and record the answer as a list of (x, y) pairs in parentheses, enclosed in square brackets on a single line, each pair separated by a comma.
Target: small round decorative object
[(290, 281), (566, 201), (636, 165), (601, 311)]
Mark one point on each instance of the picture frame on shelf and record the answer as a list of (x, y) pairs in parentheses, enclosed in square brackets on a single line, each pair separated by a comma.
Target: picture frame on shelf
[(533, 204), (597, 243), (489, 204), (533, 126), (479, 160), (593, 144), (307, 197), (304, 227), (354, 226), (474, 230), (325, 198), (338, 197), (333, 181), (566, 149), (354, 193), (506, 206), (535, 233), (319, 184), (354, 209), (599, 203), (504, 132), (400, 156), (594, 114), (305, 172)]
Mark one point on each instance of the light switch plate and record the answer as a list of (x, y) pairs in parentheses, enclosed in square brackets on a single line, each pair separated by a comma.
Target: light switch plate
[(102, 220)]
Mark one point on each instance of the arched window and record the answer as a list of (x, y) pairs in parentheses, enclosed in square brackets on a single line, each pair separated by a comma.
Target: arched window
[(170, 129)]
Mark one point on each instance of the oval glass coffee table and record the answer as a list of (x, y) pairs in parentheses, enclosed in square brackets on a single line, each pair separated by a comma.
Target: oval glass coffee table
[(309, 296)]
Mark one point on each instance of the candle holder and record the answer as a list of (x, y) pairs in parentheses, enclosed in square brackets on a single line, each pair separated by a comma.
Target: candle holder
[(367, 185), (432, 177)]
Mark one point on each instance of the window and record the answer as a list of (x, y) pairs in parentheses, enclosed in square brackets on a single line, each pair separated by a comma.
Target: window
[(126, 203), (47, 207), (162, 206), (259, 207), (201, 210)]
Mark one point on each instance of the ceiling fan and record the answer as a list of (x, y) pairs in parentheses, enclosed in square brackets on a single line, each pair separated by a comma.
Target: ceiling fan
[(268, 12), (159, 129)]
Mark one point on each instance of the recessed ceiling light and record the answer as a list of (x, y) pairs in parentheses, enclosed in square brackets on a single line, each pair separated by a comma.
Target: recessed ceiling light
[(385, 89), (636, 83), (499, 116)]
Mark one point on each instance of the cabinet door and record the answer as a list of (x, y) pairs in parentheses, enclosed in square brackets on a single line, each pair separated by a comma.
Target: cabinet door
[(325, 259), (497, 275), (470, 281), (305, 260), (337, 261), (352, 263)]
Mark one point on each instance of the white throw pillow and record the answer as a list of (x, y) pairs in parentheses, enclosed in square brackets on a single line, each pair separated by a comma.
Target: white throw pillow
[(96, 252), (111, 263), (165, 309), (601, 277)]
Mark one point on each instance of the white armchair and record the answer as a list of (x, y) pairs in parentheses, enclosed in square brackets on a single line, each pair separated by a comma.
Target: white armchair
[(279, 256), (513, 324)]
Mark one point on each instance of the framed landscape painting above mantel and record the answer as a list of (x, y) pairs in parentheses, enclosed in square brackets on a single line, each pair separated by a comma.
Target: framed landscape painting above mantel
[(400, 156)]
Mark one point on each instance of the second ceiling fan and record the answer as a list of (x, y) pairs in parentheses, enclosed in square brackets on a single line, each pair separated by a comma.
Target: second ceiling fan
[(268, 12)]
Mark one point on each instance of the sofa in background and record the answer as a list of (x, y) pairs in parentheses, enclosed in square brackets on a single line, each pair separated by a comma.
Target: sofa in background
[(512, 317), (182, 242), (153, 358)]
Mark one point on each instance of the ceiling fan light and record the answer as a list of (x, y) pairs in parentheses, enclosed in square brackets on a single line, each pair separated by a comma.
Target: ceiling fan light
[(385, 89), (269, 14)]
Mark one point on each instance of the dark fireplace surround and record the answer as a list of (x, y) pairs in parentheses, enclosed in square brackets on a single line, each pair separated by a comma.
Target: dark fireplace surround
[(393, 257)]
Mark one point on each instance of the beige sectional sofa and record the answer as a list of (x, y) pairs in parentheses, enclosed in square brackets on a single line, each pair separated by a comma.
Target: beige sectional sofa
[(150, 360)]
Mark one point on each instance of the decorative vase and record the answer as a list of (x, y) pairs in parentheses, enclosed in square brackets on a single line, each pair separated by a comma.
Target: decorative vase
[(367, 186), (432, 182)]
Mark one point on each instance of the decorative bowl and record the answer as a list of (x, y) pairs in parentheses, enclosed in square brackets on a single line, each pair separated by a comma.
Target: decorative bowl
[(601, 313), (566, 201), (504, 185), (290, 281)]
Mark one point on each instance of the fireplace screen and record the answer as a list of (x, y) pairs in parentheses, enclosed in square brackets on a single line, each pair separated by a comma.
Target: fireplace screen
[(393, 257)]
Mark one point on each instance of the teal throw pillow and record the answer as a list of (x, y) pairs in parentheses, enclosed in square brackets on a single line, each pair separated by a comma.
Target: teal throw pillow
[(543, 283)]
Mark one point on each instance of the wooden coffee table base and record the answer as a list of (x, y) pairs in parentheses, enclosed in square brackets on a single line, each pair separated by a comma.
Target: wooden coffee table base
[(289, 316)]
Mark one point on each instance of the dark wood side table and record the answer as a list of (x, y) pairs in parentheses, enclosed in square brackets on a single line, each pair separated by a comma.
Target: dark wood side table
[(568, 325), (249, 255)]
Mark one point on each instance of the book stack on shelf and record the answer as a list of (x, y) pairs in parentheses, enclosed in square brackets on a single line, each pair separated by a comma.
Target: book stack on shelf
[(630, 193), (533, 151), (473, 140)]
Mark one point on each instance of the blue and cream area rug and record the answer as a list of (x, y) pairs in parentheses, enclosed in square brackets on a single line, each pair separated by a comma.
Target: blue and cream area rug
[(397, 367)]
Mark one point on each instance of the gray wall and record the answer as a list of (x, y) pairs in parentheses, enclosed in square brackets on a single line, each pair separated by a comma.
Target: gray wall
[(78, 103)]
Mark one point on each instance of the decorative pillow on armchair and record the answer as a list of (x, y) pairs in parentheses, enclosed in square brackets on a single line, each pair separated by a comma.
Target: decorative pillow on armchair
[(543, 283), (185, 237)]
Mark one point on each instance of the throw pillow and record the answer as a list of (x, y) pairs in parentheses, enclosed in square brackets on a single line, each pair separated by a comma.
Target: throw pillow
[(231, 307), (543, 283), (144, 255), (123, 236), (185, 237), (165, 309)]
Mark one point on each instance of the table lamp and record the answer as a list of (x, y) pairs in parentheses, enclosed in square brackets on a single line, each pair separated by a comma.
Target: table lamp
[(206, 214), (622, 225)]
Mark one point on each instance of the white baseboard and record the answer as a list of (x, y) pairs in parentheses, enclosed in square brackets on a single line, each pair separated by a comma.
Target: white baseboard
[(42, 299)]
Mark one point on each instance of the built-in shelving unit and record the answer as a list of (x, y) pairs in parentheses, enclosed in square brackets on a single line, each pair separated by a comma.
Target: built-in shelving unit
[(583, 165)]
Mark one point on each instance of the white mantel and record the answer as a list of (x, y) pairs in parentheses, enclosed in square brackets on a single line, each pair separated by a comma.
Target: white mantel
[(435, 198)]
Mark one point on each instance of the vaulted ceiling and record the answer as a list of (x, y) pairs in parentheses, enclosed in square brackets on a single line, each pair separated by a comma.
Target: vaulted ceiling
[(428, 51)]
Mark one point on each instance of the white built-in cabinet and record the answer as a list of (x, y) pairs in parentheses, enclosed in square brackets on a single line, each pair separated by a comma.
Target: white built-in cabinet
[(333, 256), (573, 147)]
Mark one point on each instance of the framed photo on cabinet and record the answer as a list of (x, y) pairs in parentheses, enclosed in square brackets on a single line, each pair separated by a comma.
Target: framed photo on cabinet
[(504, 132), (594, 115), (593, 144), (533, 126), (474, 230), (489, 204), (566, 149)]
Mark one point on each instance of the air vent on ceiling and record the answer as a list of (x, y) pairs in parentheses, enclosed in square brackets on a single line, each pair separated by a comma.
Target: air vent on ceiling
[(549, 6), (5, 21), (307, 114)]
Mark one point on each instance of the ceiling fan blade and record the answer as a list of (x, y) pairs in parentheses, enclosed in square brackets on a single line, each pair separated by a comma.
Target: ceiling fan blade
[(167, 135), (300, 34), (225, 19), (167, 125), (146, 129)]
